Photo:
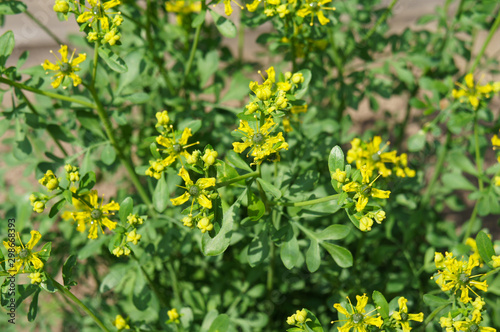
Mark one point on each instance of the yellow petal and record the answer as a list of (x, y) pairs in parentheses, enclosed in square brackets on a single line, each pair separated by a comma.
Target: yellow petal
[(57, 81), (380, 193), (185, 176), (227, 7), (181, 199), (93, 198), (204, 201), (205, 183), (47, 65), (240, 147), (322, 19), (37, 262), (84, 17), (111, 4), (253, 6), (79, 59), (108, 223), (469, 81), (35, 237), (362, 302), (185, 135), (113, 206)]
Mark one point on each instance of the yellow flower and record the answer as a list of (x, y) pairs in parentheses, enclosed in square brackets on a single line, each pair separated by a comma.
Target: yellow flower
[(120, 323), (111, 37), (227, 6), (133, 237), (49, 180), (403, 317), (371, 155), (25, 256), (209, 157), (61, 6), (205, 225), (194, 190), (173, 316), (315, 7), (175, 148), (357, 318), (472, 92), (162, 118), (261, 142), (65, 67), (476, 256), (253, 6), (96, 215), (98, 12), (339, 176), (188, 221), (363, 192), (133, 219), (470, 325), (183, 6), (456, 276), (35, 277)]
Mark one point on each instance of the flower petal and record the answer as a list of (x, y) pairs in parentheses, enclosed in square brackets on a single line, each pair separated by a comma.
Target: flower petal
[(181, 199)]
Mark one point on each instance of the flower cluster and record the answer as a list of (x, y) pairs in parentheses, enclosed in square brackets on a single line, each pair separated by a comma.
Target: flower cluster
[(466, 319), (299, 319), (360, 190), (65, 67), (98, 17), (120, 323), (174, 148), (456, 275), (315, 8), (472, 93), (173, 316), (199, 192), (377, 160)]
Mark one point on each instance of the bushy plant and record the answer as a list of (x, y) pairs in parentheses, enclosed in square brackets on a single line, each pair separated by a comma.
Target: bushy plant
[(244, 195)]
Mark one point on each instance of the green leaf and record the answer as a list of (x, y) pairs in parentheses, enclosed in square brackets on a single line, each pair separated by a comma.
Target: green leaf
[(56, 207), (112, 60), (67, 271), (224, 25), (154, 151), (160, 195), (68, 196), (269, 188), (199, 19), (340, 255), (208, 66), (87, 182), (306, 73), (335, 161), (108, 154), (12, 7), (459, 159), (6, 45), (22, 149), (220, 324), (457, 181), (289, 252), (258, 250), (334, 232), (126, 207), (313, 257), (33, 310), (219, 243), (44, 253), (416, 142), (114, 277), (235, 160), (381, 302), (434, 301), (314, 324), (485, 247)]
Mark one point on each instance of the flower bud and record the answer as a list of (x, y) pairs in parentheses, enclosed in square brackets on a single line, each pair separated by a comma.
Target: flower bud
[(365, 224), (38, 206), (298, 78), (209, 157), (61, 6), (162, 118), (52, 184), (301, 316), (205, 225), (339, 175), (188, 221), (291, 320), (379, 216)]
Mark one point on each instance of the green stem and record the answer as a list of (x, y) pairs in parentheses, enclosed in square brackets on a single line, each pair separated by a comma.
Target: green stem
[(119, 151), (478, 153), (191, 54), (45, 93), (73, 298), (51, 134), (471, 221), (44, 28), (437, 170), (379, 21), (149, 281), (431, 316), (96, 62), (486, 42), (312, 201), (175, 287), (236, 179)]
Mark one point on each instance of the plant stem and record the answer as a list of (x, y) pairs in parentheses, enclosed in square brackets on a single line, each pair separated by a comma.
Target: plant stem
[(96, 62), (44, 93), (431, 316), (471, 221), (191, 54), (149, 281), (175, 287), (437, 170), (44, 27), (379, 21), (478, 153), (312, 201), (73, 298), (119, 151), (486, 42), (236, 179), (51, 134)]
